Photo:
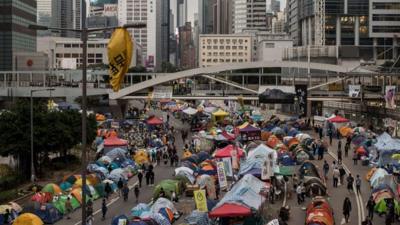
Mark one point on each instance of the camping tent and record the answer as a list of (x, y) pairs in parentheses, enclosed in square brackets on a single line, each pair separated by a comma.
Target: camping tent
[(378, 177), (28, 219), (154, 121), (190, 111), (52, 188), (227, 152), (386, 142), (262, 151), (114, 142), (219, 115), (60, 203), (48, 214), (141, 156), (168, 186)]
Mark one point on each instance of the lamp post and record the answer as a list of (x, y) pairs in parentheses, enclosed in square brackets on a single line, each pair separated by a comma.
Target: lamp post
[(84, 36), (32, 161)]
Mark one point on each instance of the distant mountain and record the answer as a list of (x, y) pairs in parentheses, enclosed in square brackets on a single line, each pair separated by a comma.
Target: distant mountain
[(102, 2)]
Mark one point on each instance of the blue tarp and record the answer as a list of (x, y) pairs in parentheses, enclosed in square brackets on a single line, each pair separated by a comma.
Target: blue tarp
[(378, 177), (197, 218), (139, 209), (49, 215), (116, 219), (249, 164), (117, 153), (386, 142)]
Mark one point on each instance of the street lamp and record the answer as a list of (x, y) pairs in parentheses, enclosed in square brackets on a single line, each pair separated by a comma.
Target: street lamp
[(84, 36), (32, 163)]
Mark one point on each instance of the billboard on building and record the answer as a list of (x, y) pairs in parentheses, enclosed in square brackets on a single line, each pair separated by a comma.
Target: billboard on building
[(276, 94), (110, 10)]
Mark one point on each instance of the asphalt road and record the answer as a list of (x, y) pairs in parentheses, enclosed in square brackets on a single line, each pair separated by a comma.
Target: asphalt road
[(116, 205)]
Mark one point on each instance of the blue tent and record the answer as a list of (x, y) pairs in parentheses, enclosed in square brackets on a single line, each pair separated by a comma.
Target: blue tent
[(286, 160), (115, 220), (48, 214)]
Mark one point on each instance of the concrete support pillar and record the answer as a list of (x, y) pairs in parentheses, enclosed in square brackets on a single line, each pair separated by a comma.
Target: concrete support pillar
[(357, 31), (338, 31), (375, 50)]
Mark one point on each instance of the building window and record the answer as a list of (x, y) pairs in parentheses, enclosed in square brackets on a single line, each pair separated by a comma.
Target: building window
[(386, 5), (67, 45), (270, 45), (99, 55)]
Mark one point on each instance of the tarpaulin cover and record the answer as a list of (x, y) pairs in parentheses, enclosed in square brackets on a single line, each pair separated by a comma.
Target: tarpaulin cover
[(244, 193), (385, 157), (94, 168), (262, 151), (163, 203), (160, 219), (378, 177), (190, 111), (115, 220), (139, 209), (230, 210), (117, 153), (116, 174), (226, 152), (309, 169), (186, 172), (167, 213), (115, 141), (250, 164), (386, 142), (197, 218)]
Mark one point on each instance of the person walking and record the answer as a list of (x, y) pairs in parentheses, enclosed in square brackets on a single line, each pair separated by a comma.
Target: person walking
[(342, 172), (152, 178), (371, 207), (326, 169), (68, 208), (339, 144), (125, 192), (89, 208), (355, 158), (320, 132), (335, 175), (103, 209), (120, 185), (339, 155), (137, 191), (346, 149), (298, 192), (346, 209), (140, 177), (148, 178), (358, 184), (350, 182), (107, 190)]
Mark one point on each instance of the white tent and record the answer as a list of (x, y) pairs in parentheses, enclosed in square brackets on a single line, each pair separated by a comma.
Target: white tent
[(190, 111)]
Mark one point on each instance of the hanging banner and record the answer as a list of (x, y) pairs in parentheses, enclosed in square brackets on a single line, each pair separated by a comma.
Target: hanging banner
[(228, 166), (201, 200), (301, 94), (223, 183), (390, 93), (268, 167), (120, 49), (354, 91)]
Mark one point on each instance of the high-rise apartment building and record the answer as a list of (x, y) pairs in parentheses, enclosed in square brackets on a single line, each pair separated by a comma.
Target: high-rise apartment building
[(292, 20), (15, 36), (249, 15), (181, 12), (187, 51)]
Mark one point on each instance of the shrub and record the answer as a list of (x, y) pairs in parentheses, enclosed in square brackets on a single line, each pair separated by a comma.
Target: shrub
[(8, 182)]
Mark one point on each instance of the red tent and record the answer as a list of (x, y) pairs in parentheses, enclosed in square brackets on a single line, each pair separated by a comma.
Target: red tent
[(226, 152), (338, 119), (230, 210), (154, 121), (115, 141)]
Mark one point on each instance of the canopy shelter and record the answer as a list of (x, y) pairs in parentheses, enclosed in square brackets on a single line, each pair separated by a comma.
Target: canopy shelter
[(154, 121), (230, 210), (219, 115), (250, 133), (227, 152), (338, 119), (114, 142)]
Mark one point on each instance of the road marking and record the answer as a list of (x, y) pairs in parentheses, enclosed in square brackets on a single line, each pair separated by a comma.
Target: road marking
[(360, 208)]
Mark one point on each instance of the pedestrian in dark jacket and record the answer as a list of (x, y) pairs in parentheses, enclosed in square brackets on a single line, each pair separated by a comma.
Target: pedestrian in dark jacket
[(107, 190), (371, 207), (151, 178), (350, 181), (137, 191), (148, 178), (346, 209), (346, 150), (103, 209), (140, 177), (339, 155), (120, 185), (125, 192)]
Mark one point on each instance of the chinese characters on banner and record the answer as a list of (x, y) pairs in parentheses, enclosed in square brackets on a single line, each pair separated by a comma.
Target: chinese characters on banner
[(201, 200), (301, 94), (223, 183), (120, 49)]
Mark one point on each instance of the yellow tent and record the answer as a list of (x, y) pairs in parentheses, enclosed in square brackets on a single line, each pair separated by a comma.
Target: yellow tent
[(141, 157), (219, 115), (28, 219)]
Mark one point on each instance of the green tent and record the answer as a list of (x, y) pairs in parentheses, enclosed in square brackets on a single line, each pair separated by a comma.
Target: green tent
[(182, 179), (169, 186), (285, 171), (60, 203), (100, 189), (381, 207)]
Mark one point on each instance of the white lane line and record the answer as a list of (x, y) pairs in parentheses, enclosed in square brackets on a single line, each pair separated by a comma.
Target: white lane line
[(360, 208)]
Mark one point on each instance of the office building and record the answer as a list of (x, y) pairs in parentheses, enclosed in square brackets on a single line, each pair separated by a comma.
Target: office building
[(384, 18), (293, 21), (273, 6), (223, 17), (43, 15), (278, 23), (215, 49), (206, 16), (249, 15), (181, 12), (66, 53), (271, 47), (135, 11), (15, 36), (67, 14), (187, 51)]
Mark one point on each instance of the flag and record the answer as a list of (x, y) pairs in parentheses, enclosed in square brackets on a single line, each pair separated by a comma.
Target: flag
[(120, 49), (201, 200)]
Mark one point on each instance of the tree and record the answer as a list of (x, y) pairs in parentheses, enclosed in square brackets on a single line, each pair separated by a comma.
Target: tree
[(54, 132)]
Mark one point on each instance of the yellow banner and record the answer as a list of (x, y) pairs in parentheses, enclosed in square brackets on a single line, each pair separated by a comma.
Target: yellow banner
[(120, 49), (201, 200)]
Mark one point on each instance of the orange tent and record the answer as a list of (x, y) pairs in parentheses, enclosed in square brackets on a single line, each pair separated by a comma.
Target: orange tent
[(292, 142), (361, 151), (273, 141), (77, 193), (100, 117), (265, 135), (345, 131)]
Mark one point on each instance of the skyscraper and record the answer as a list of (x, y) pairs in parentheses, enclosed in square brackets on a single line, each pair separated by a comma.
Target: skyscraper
[(187, 51), (67, 14), (134, 11), (249, 15), (181, 12), (15, 36), (206, 16), (44, 15), (223, 17)]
